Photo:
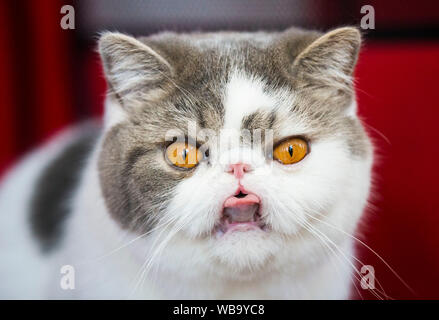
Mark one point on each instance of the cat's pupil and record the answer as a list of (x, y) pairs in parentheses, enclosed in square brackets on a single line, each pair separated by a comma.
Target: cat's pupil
[(184, 154), (290, 150)]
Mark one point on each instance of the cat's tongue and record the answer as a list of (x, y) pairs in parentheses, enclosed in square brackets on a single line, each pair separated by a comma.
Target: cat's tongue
[(241, 210), (235, 201)]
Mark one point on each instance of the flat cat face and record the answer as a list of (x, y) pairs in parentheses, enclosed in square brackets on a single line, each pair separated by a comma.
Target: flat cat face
[(240, 144)]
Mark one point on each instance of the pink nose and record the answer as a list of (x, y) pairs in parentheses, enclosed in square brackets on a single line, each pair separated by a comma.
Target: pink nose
[(238, 169)]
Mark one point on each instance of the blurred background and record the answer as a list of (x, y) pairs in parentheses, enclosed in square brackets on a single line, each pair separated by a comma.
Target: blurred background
[(51, 78)]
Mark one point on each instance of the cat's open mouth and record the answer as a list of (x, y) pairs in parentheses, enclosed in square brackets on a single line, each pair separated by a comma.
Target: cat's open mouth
[(241, 212)]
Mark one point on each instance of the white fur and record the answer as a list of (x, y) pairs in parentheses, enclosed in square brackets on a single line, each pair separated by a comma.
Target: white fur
[(114, 113), (243, 96), (24, 271), (284, 263)]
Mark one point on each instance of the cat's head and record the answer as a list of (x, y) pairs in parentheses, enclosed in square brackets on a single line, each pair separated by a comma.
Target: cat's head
[(164, 168)]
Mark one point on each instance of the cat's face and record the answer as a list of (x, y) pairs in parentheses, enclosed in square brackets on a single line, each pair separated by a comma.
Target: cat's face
[(239, 205)]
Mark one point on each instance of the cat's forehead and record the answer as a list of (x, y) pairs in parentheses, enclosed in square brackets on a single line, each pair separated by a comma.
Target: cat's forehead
[(224, 82), (237, 100), (246, 98), (231, 79)]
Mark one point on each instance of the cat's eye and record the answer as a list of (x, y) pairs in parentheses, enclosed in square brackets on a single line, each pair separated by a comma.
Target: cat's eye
[(183, 155), (290, 151)]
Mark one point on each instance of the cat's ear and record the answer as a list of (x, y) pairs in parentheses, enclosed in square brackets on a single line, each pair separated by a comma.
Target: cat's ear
[(132, 68), (327, 64)]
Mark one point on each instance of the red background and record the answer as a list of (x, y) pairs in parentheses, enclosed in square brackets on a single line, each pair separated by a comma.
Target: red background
[(46, 85)]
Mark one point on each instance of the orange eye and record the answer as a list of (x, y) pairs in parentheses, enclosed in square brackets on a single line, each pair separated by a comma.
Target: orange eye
[(183, 155), (290, 151)]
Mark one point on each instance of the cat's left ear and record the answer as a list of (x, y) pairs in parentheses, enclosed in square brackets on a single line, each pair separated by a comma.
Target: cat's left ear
[(326, 65), (133, 70)]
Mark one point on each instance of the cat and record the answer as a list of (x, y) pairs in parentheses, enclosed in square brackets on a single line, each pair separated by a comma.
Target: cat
[(144, 205)]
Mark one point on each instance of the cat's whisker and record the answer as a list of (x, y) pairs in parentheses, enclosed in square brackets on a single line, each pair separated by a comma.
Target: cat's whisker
[(184, 220), (387, 140), (366, 246), (143, 235), (149, 262), (159, 254), (314, 231), (157, 250), (144, 265), (370, 249), (311, 228), (353, 256)]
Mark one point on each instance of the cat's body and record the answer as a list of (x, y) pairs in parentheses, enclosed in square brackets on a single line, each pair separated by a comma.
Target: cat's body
[(105, 201)]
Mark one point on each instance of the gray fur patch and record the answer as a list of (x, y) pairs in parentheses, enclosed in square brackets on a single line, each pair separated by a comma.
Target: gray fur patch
[(54, 187)]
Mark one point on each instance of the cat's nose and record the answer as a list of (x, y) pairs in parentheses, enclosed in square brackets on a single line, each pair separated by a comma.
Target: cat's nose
[(238, 169)]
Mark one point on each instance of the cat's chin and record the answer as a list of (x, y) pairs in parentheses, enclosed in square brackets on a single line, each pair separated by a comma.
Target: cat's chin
[(227, 230), (243, 252), (239, 230)]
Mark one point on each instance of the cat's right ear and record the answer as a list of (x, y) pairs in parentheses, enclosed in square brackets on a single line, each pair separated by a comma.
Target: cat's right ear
[(132, 69), (324, 68)]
